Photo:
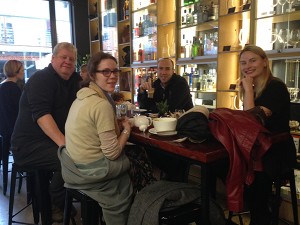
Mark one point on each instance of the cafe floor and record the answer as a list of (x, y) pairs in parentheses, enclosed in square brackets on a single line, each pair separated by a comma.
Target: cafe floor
[(26, 215)]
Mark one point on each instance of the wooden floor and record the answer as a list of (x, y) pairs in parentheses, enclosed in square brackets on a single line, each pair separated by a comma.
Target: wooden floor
[(26, 215)]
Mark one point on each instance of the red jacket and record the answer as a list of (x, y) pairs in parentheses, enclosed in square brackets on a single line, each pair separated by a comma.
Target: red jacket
[(246, 141)]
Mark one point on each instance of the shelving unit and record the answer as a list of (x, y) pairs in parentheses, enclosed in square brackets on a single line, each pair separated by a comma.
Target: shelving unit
[(124, 49), (94, 26), (198, 63), (222, 28)]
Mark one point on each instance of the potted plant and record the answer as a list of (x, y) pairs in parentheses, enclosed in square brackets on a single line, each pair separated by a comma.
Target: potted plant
[(163, 108)]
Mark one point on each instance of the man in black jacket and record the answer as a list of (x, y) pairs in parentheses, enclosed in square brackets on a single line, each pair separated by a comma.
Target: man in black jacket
[(40, 125), (168, 86), (173, 88)]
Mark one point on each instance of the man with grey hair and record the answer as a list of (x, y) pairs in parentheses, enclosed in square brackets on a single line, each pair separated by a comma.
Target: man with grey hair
[(43, 110)]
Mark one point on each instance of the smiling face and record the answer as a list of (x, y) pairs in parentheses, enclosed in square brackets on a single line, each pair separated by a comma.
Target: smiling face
[(252, 64), (165, 70), (64, 63), (106, 83)]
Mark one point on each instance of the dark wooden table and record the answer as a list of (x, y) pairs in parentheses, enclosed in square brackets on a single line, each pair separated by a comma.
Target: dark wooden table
[(204, 154)]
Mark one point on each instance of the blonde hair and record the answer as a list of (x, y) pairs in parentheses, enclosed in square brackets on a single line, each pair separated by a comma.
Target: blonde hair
[(12, 67), (65, 45), (261, 81)]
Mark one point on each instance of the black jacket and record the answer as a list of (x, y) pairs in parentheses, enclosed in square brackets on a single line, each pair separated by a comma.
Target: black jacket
[(177, 93)]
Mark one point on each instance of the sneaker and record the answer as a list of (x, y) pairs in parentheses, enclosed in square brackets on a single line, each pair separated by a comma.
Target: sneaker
[(57, 214)]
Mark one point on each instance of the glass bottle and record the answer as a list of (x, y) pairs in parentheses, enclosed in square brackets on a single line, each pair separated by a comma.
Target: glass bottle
[(183, 18), (141, 55), (189, 17), (145, 25), (195, 79), (195, 47), (187, 47), (126, 10), (141, 32)]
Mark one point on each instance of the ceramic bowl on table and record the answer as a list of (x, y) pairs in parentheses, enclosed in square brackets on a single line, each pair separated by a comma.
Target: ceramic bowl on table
[(164, 124)]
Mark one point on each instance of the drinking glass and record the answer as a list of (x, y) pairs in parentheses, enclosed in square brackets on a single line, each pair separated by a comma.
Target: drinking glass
[(290, 4), (295, 37), (282, 3), (121, 111)]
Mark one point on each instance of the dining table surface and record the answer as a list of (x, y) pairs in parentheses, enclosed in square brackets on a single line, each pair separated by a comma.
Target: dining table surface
[(205, 154)]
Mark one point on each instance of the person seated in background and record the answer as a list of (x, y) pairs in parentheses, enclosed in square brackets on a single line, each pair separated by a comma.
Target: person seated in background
[(267, 98), (175, 90), (168, 87), (10, 94), (119, 98), (83, 72), (40, 125), (268, 95)]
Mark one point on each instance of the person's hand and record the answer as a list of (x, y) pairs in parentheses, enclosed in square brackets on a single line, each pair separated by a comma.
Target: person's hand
[(145, 86), (126, 124), (247, 83)]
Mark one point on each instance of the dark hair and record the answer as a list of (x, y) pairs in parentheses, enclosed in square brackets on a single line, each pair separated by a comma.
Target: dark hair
[(117, 96), (93, 63)]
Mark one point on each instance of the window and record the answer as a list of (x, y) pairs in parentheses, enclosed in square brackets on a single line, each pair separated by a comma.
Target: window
[(25, 32)]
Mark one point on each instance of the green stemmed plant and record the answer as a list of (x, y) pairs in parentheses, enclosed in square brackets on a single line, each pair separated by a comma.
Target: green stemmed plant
[(162, 107)]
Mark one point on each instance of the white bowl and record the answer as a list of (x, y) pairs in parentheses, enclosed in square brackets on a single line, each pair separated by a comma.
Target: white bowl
[(164, 124)]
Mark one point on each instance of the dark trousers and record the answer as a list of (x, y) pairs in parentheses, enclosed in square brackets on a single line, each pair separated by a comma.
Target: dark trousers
[(257, 196), (44, 156)]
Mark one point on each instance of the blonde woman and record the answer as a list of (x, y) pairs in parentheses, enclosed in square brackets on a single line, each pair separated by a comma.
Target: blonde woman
[(267, 97), (10, 94)]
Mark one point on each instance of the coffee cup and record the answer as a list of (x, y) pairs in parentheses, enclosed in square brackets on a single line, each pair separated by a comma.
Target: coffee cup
[(164, 124)]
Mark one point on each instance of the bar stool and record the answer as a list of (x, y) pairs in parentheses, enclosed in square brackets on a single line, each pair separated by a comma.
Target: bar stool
[(290, 177), (278, 183), (37, 194), (90, 209)]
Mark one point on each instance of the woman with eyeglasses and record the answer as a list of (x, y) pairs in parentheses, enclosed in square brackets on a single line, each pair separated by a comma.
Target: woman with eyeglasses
[(93, 159), (10, 94)]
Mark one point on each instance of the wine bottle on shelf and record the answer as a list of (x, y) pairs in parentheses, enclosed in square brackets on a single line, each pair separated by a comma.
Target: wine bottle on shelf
[(183, 18), (141, 32), (126, 10), (141, 54), (195, 47), (187, 52), (189, 17), (182, 47)]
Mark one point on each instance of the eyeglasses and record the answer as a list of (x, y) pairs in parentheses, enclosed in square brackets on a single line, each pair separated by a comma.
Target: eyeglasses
[(107, 73)]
